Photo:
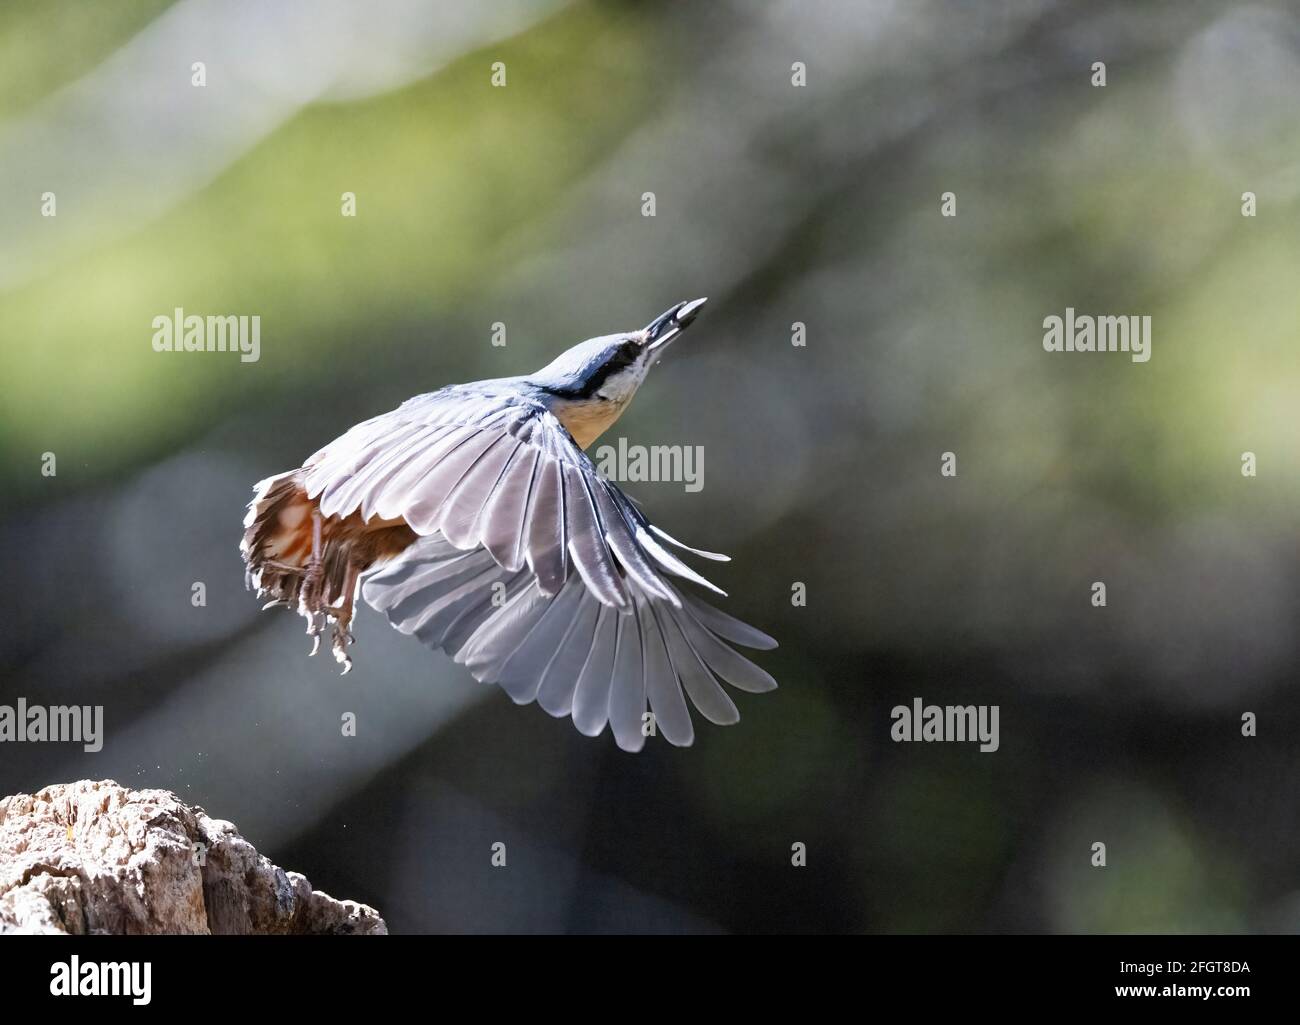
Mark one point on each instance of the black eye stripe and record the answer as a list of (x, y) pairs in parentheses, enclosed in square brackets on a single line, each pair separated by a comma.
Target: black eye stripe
[(627, 354), (623, 357)]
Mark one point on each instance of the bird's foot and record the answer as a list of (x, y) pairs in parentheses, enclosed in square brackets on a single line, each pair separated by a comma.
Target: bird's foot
[(310, 603), (340, 619)]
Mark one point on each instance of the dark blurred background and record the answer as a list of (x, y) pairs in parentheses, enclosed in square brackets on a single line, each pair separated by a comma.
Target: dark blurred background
[(522, 205)]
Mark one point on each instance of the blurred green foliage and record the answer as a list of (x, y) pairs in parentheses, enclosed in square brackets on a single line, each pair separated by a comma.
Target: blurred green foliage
[(444, 171), (45, 44)]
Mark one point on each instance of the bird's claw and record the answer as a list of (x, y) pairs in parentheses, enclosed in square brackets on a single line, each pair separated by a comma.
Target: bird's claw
[(316, 623), (340, 640)]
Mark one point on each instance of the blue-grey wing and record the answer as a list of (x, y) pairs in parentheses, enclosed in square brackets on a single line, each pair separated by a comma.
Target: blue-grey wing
[(532, 569), (571, 653)]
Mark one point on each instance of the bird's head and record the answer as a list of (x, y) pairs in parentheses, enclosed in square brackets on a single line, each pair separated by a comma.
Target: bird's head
[(609, 369)]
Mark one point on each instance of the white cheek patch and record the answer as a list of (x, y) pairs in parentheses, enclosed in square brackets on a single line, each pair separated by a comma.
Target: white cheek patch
[(619, 387)]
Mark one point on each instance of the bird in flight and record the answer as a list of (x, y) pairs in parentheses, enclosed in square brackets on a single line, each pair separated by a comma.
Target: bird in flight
[(486, 531)]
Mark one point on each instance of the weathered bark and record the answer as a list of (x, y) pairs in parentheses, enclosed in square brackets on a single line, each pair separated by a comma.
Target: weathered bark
[(95, 857)]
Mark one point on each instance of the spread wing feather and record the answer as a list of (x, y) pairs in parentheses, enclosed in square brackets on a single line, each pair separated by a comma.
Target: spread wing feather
[(570, 652), (501, 473), (534, 571)]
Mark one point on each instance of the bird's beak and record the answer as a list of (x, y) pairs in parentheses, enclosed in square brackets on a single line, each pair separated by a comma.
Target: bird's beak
[(669, 324)]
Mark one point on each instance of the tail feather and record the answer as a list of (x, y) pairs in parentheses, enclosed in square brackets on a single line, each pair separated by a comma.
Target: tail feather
[(275, 529)]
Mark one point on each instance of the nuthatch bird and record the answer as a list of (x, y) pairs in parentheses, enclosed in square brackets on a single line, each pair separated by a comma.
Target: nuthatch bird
[(492, 537)]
